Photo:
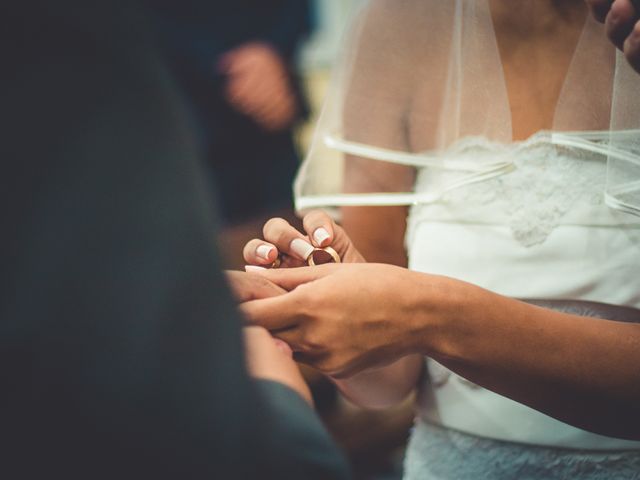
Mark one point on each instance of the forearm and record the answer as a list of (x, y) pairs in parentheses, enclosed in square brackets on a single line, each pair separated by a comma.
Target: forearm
[(580, 370), (385, 386)]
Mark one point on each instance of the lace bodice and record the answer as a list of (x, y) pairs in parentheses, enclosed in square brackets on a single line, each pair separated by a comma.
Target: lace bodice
[(543, 184)]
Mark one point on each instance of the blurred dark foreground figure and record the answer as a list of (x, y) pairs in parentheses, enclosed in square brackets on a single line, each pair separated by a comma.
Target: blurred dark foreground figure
[(120, 349)]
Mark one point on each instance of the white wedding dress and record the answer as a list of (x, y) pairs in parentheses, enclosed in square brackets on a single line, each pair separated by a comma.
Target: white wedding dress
[(540, 231)]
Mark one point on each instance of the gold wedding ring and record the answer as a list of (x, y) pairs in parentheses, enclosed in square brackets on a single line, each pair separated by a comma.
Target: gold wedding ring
[(276, 263), (320, 256)]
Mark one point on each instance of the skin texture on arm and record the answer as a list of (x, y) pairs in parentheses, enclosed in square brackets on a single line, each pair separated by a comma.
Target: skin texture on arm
[(583, 371)]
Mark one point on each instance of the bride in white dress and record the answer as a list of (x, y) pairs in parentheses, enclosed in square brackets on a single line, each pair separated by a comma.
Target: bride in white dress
[(498, 143)]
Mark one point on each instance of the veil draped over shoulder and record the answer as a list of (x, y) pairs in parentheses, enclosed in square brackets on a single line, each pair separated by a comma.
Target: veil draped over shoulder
[(418, 109)]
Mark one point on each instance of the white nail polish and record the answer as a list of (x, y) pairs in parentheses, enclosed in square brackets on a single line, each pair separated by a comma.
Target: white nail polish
[(263, 251), (253, 269), (301, 248), (320, 235)]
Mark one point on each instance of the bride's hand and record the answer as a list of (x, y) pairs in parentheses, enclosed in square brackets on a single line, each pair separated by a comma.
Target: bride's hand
[(280, 238), (622, 24)]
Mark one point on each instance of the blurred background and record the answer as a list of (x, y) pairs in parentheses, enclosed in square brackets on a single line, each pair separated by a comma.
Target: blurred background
[(254, 74)]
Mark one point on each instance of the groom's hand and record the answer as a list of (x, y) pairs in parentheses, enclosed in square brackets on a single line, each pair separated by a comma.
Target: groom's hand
[(622, 23)]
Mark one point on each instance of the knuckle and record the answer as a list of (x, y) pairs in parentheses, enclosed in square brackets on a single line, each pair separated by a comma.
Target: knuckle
[(305, 302), (272, 224), (276, 230), (317, 218), (282, 238), (248, 252)]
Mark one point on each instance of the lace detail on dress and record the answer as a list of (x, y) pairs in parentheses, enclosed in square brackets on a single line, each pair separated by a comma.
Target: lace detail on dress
[(435, 453), (546, 183)]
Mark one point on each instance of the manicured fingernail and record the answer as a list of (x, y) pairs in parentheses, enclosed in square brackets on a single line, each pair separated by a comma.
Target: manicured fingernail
[(253, 269), (320, 236), (301, 248), (263, 251)]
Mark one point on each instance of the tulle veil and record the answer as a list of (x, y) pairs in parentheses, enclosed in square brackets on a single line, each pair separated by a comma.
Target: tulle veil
[(418, 78)]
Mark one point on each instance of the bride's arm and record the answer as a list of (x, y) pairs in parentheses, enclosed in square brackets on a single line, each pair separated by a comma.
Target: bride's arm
[(580, 370), (583, 371)]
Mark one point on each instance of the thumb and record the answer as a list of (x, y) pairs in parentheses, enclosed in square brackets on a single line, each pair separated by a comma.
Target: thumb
[(290, 278)]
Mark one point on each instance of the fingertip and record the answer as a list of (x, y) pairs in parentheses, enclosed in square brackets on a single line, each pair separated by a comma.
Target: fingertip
[(266, 252), (254, 269), (319, 226), (259, 252), (321, 237), (301, 248)]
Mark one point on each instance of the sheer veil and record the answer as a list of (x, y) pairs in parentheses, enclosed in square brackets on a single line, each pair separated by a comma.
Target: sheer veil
[(418, 109)]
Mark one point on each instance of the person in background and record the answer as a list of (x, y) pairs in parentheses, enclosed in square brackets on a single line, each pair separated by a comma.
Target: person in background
[(235, 61)]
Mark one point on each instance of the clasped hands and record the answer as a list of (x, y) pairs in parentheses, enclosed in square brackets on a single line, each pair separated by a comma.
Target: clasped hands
[(339, 318)]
